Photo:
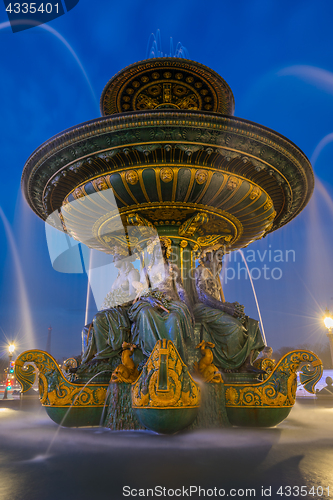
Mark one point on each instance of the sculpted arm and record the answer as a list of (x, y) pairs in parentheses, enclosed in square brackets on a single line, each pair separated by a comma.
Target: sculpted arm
[(234, 309)]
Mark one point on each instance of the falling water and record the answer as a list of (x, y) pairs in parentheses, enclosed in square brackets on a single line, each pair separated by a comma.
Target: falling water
[(320, 244), (255, 296), (101, 422), (71, 406), (54, 32), (20, 278), (88, 287), (324, 142)]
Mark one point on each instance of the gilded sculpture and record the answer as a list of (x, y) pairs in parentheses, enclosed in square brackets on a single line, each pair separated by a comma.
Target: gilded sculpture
[(126, 372), (103, 338), (132, 177), (205, 367), (168, 157), (237, 338)]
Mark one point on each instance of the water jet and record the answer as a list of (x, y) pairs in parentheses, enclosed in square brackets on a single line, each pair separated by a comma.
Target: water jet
[(169, 166)]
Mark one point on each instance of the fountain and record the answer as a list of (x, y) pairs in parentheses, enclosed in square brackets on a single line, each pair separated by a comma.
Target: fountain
[(167, 167)]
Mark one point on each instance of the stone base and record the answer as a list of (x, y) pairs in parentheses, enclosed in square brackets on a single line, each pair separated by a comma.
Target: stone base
[(119, 414)]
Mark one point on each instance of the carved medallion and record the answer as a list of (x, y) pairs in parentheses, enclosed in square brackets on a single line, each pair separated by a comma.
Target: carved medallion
[(131, 177), (233, 183), (156, 84), (166, 174), (255, 193), (100, 184), (201, 176), (78, 193)]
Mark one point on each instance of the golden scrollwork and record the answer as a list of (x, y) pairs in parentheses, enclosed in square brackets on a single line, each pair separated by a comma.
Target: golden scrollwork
[(64, 395), (190, 226), (146, 102), (136, 220), (165, 381), (268, 205), (265, 364), (189, 102), (183, 243), (201, 176), (216, 226), (205, 241), (279, 388), (42, 386), (54, 388), (131, 177), (167, 214)]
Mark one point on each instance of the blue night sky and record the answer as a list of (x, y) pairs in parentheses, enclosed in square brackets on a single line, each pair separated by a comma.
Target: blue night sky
[(277, 58)]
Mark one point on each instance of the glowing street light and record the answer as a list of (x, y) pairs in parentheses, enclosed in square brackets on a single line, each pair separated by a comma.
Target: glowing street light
[(328, 322), (11, 349)]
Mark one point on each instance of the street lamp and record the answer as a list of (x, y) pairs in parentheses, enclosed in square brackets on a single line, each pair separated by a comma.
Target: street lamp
[(11, 349), (328, 322)]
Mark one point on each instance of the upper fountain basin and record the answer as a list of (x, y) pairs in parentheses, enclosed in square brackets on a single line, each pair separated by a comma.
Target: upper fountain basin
[(170, 152)]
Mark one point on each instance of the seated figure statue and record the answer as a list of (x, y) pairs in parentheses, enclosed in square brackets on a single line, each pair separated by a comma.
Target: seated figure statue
[(162, 311), (111, 326), (237, 338)]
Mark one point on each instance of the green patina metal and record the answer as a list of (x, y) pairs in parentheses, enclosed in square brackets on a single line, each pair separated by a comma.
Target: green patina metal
[(257, 417), (167, 156), (79, 416), (166, 421)]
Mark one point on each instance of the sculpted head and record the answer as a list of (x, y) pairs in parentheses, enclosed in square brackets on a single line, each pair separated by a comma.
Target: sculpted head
[(212, 257), (132, 177), (101, 184), (166, 174), (201, 176), (120, 257)]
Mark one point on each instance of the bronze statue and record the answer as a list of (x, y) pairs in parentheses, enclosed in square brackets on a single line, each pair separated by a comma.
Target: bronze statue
[(122, 289), (163, 310), (111, 326), (237, 338)]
